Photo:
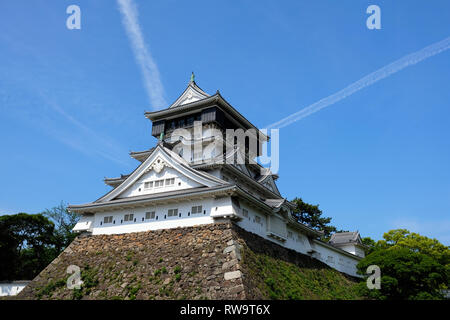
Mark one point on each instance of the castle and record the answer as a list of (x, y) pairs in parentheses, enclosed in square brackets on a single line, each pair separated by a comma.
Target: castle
[(203, 171)]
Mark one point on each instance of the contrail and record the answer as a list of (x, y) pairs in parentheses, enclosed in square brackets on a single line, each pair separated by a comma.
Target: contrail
[(366, 81), (149, 69)]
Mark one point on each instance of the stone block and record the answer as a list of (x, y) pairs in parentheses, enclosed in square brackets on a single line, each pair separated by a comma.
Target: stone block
[(232, 275)]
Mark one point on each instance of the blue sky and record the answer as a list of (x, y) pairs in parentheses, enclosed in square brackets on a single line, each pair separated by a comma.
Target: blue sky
[(72, 102)]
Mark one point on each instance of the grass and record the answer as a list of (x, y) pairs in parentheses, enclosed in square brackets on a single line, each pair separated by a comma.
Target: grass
[(281, 280)]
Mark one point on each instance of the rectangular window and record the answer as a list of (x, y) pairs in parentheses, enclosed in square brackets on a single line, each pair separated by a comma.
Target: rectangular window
[(245, 213), (107, 219), (159, 183), (290, 235), (257, 219), (150, 215), (128, 217), (172, 212), (148, 184), (170, 182), (196, 209)]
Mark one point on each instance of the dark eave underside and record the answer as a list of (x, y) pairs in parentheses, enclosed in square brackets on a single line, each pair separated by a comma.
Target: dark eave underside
[(196, 105)]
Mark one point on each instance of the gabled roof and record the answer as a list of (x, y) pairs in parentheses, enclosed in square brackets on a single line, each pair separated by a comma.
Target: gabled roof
[(158, 159), (276, 203), (141, 155), (232, 169), (191, 94), (114, 182), (341, 238), (176, 195), (268, 182)]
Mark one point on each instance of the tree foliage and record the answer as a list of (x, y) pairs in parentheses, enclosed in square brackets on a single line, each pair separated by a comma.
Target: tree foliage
[(369, 245), (412, 266), (29, 242), (402, 238), (311, 215), (26, 245), (64, 222)]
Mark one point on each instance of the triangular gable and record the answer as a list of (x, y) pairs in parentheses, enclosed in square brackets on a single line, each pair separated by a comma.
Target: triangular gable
[(358, 238), (191, 94), (270, 184), (160, 159)]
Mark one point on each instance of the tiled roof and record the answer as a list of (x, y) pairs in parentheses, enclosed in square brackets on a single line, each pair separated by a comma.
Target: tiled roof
[(344, 237)]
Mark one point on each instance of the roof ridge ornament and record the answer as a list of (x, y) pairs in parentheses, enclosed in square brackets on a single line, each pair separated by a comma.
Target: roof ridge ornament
[(192, 77), (161, 138)]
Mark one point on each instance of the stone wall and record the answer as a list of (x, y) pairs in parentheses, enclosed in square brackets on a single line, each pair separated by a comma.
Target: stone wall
[(201, 262)]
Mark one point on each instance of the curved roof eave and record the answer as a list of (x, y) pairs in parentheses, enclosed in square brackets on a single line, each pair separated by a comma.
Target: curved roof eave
[(139, 200)]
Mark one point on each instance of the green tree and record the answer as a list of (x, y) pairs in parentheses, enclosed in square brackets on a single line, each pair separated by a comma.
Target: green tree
[(369, 244), (412, 266), (403, 238), (26, 245), (64, 222), (311, 215), (405, 274)]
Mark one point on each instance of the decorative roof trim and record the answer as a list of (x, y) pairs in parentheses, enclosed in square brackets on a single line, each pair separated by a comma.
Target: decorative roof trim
[(328, 245), (141, 155), (114, 182), (171, 159), (233, 169), (155, 197), (193, 90), (294, 223), (343, 238)]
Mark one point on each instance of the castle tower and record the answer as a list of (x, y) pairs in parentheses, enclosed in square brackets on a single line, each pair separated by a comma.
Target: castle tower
[(202, 171)]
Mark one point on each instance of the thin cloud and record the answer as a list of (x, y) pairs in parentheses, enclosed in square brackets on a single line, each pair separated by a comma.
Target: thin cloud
[(149, 69), (104, 147), (37, 104), (366, 81)]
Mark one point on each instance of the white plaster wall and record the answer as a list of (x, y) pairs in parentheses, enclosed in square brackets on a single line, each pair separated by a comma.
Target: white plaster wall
[(300, 243), (277, 225), (210, 207), (339, 261), (249, 223), (85, 223), (360, 252), (181, 182), (222, 207), (349, 248), (353, 249)]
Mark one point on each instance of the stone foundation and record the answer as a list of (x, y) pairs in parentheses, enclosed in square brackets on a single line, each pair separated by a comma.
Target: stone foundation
[(201, 262)]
